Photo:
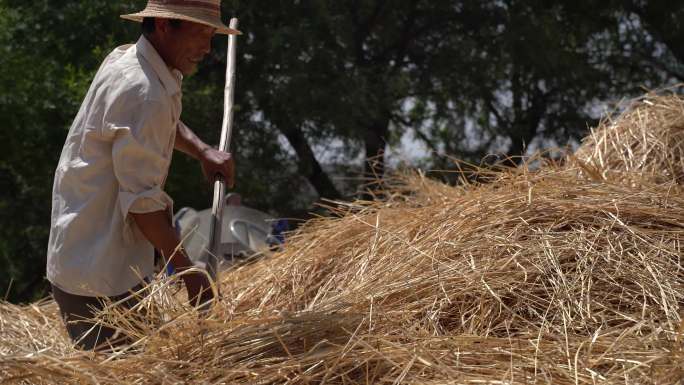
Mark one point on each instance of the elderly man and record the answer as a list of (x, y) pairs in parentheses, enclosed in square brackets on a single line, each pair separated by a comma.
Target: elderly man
[(109, 208)]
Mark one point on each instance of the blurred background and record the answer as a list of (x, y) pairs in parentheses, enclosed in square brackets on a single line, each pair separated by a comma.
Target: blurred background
[(324, 85)]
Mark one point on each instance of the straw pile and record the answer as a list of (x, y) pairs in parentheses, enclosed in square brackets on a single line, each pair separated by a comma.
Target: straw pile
[(530, 277), (644, 142)]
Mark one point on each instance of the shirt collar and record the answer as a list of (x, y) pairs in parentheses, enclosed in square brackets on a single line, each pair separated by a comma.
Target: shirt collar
[(170, 78)]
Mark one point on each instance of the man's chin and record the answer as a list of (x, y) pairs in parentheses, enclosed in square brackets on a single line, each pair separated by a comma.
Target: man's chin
[(190, 70)]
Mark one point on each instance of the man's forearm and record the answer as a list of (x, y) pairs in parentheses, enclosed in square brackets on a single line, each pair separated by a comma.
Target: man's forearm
[(188, 142), (157, 228)]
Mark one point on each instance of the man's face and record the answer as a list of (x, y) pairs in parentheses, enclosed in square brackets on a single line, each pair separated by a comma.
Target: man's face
[(187, 45)]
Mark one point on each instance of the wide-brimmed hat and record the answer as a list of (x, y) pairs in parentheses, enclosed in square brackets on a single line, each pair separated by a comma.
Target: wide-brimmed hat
[(206, 12)]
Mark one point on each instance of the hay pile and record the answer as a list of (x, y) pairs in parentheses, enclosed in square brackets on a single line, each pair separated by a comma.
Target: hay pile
[(644, 142), (532, 277)]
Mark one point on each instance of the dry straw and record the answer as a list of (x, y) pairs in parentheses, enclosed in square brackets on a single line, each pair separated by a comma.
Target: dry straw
[(532, 277), (647, 141)]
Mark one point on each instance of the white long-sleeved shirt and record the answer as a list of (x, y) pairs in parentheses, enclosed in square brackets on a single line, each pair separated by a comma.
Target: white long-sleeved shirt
[(114, 162)]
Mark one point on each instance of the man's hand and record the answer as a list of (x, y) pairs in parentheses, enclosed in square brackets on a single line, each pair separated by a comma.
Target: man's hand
[(215, 162), (157, 229), (199, 290)]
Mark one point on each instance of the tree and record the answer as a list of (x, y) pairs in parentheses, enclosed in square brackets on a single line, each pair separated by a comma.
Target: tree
[(663, 22), (344, 69), (531, 71)]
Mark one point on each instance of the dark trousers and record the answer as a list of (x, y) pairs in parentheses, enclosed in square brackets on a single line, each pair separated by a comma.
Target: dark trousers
[(77, 313)]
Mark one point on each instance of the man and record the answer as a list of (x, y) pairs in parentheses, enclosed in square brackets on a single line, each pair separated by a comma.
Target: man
[(109, 208)]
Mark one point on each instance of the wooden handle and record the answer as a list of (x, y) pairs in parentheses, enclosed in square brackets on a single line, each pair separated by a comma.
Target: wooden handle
[(216, 224)]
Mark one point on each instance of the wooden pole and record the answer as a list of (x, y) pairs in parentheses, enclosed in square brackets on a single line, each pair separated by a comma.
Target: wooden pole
[(215, 227)]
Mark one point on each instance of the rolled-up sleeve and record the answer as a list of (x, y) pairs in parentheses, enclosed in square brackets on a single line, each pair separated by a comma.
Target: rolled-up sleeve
[(140, 157)]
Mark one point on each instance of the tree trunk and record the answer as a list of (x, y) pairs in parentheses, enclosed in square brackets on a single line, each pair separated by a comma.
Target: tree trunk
[(524, 133), (308, 164), (526, 125), (375, 143)]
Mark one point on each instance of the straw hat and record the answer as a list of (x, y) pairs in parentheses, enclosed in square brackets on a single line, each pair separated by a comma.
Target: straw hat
[(206, 12)]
